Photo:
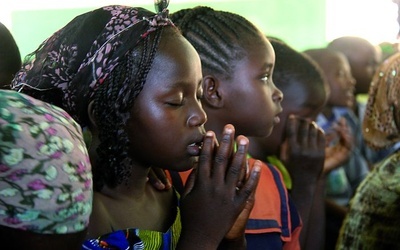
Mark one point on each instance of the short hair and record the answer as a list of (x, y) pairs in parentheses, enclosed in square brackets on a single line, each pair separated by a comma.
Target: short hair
[(291, 64), (10, 57)]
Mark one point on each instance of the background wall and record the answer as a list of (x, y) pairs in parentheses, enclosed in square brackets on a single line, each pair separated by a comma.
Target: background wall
[(303, 24)]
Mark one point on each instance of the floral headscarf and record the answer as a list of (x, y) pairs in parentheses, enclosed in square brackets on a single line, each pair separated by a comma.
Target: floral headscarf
[(45, 172), (383, 108), (74, 61), (100, 57)]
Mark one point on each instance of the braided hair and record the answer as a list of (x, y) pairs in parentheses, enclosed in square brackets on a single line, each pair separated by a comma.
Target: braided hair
[(220, 37), (100, 57), (112, 104)]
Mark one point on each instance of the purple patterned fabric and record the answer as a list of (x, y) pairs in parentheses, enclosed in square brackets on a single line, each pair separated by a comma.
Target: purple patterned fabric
[(45, 172), (75, 60)]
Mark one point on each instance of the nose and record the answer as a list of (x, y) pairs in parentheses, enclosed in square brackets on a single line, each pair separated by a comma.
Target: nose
[(197, 116), (277, 95), (352, 81)]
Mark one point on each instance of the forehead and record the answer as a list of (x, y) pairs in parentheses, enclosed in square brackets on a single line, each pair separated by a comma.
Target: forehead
[(175, 56), (176, 61), (258, 56), (261, 44)]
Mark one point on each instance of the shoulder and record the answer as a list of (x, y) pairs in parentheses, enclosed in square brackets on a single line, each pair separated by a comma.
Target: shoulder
[(99, 219)]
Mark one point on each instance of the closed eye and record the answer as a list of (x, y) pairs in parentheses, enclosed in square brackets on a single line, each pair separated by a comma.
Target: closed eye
[(175, 103)]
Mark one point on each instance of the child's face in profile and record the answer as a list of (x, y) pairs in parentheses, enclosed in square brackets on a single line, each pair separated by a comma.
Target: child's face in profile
[(251, 96), (300, 100), (166, 127), (341, 82), (363, 66)]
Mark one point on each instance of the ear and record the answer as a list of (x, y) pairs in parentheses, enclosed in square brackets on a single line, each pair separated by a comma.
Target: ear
[(92, 117), (212, 91)]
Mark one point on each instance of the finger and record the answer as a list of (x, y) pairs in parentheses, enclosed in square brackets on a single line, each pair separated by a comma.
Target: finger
[(204, 166), (158, 179), (320, 136), (223, 156), (313, 135), (304, 133), (236, 172), (250, 186), (284, 154), (291, 130), (190, 182)]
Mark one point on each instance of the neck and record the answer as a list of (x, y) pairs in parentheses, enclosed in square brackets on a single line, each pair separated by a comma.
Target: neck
[(135, 187), (327, 111)]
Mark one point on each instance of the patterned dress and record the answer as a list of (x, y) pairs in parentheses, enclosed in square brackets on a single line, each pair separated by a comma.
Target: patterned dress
[(136, 239), (374, 218)]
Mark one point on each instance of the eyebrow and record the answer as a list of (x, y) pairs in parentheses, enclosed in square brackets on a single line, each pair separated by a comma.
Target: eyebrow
[(267, 66), (184, 84)]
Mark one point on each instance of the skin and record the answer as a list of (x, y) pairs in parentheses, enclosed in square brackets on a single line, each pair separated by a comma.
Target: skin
[(299, 102), (251, 83), (299, 143), (338, 74), (363, 58), (166, 113), (341, 81), (339, 77)]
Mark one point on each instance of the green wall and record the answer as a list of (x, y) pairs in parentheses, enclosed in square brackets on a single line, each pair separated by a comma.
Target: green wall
[(299, 23)]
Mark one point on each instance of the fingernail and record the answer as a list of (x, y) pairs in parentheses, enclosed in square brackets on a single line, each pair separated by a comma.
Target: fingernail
[(168, 185), (209, 134), (257, 167), (242, 144), (228, 131)]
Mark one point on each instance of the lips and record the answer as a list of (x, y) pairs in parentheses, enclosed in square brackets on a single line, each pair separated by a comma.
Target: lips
[(194, 149), (276, 118)]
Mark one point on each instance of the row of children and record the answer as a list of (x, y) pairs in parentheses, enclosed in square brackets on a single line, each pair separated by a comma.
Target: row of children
[(146, 87)]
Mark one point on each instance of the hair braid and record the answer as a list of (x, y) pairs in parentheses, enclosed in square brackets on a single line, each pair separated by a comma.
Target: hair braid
[(220, 37), (112, 106)]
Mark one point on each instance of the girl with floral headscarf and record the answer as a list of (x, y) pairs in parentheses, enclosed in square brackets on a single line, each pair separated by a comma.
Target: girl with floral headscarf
[(374, 217), (130, 77)]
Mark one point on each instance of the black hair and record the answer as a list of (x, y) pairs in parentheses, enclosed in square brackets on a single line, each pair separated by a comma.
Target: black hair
[(291, 64), (112, 106), (219, 37), (10, 56)]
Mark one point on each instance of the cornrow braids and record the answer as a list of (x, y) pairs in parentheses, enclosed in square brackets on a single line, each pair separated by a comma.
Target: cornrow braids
[(220, 37), (112, 105)]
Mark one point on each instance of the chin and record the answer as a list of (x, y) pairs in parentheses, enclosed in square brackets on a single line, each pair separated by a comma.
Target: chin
[(267, 132), (186, 165)]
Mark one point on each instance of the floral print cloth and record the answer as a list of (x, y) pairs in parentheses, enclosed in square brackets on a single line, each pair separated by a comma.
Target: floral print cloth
[(77, 59), (373, 220), (45, 172)]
